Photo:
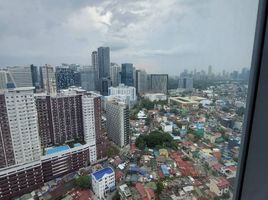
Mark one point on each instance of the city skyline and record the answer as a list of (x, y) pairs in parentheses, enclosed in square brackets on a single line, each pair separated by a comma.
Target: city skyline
[(137, 32)]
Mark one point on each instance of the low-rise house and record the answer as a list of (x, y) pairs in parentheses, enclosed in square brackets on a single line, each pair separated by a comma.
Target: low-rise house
[(219, 186), (103, 181), (124, 191)]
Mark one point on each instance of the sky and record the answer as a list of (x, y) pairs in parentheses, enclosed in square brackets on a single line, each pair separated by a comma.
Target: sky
[(160, 36)]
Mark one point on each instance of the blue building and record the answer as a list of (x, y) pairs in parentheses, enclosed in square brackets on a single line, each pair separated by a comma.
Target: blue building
[(127, 74)]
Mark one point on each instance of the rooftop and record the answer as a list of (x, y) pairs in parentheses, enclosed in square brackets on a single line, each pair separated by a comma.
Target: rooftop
[(57, 149), (99, 174)]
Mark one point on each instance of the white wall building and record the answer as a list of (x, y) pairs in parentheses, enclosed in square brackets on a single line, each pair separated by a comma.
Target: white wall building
[(118, 122), (103, 181), (89, 125), (167, 127), (22, 116), (155, 96), (127, 93)]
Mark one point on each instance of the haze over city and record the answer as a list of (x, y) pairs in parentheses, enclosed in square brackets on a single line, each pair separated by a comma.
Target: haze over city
[(160, 37)]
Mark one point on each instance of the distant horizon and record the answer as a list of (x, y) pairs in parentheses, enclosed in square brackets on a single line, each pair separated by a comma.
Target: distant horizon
[(137, 68), (158, 37)]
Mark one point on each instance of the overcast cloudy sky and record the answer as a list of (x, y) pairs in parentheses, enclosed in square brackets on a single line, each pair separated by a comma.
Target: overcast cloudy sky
[(157, 35)]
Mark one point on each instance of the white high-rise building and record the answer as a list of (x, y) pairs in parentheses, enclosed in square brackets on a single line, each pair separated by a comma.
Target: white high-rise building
[(90, 104), (118, 122), (125, 93), (103, 181), (23, 126), (115, 70)]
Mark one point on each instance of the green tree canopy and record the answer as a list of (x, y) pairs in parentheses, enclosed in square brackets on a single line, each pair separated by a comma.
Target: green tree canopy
[(83, 182)]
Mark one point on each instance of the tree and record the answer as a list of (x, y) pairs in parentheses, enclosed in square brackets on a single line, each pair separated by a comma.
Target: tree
[(159, 187), (83, 182), (113, 151)]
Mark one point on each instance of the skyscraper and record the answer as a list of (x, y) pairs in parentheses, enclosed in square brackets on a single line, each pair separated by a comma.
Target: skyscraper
[(59, 118), (64, 78), (105, 83), (91, 104), (141, 82), (94, 63), (185, 83), (115, 74), (127, 74), (159, 83), (104, 62), (209, 71), (104, 69), (35, 77), (21, 75), (19, 142), (118, 122), (48, 79), (88, 78)]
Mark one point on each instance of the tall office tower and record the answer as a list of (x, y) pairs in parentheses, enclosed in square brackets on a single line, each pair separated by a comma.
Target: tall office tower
[(48, 79), (94, 63), (159, 83), (65, 77), (59, 118), (127, 74), (104, 62), (21, 75), (35, 77), (125, 93), (186, 83), (88, 78), (141, 82), (104, 85), (18, 127), (118, 122), (209, 71), (115, 74)]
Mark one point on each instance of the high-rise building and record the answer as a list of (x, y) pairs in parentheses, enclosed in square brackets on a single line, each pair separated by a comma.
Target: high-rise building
[(48, 79), (6, 80), (126, 93), (209, 71), (35, 76), (105, 83), (186, 83), (91, 106), (159, 83), (115, 74), (141, 82), (88, 78), (21, 75), (59, 118), (67, 77), (18, 127), (94, 63), (118, 122), (127, 74), (104, 62)]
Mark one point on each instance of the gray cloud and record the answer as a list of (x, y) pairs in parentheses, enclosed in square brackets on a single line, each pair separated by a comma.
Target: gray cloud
[(160, 36)]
